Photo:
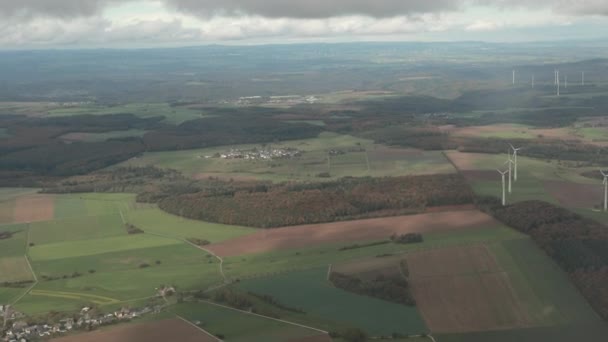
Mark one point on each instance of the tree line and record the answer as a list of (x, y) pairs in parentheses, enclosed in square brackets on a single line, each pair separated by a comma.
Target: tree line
[(269, 206)]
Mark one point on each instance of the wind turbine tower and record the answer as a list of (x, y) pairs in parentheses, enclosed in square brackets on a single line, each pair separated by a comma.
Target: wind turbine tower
[(566, 81), (532, 80), (557, 80), (555, 77), (504, 194), (605, 190), (509, 162), (583, 78), (515, 150), (513, 76)]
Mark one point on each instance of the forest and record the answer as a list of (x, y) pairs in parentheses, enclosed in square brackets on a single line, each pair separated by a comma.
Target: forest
[(579, 245), (269, 206), (391, 288)]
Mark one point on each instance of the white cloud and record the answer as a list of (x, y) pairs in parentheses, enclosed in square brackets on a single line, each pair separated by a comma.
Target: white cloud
[(35, 23), (483, 26)]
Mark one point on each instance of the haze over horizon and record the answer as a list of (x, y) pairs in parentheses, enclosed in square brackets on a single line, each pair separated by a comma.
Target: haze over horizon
[(163, 23)]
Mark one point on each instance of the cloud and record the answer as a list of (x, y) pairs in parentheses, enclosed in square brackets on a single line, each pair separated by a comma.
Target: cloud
[(483, 26), (305, 9), (313, 8), (53, 8)]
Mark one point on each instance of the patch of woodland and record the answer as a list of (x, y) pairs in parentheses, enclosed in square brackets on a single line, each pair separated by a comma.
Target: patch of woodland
[(133, 229), (275, 302), (199, 242), (407, 238), (227, 130), (268, 205), (578, 245), (5, 235), (117, 180), (17, 284), (393, 288)]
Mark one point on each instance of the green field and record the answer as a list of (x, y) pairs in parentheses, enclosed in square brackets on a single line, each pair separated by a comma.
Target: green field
[(265, 264), (532, 177), (317, 297), (16, 245), (361, 158), (9, 294), (99, 137), (543, 287), (77, 228), (85, 205), (70, 249), (173, 115), (594, 133), (179, 254), (238, 326), (152, 219)]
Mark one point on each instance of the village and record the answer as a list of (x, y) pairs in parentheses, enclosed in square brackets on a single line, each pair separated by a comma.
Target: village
[(21, 331), (16, 327), (259, 154)]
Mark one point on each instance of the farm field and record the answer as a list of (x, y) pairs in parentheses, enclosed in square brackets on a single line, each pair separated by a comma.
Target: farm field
[(14, 269), (464, 289), (59, 250), (537, 180), (361, 158), (99, 137), (350, 231), (240, 326), (16, 245), (154, 220), (158, 331), (317, 297), (82, 253), (593, 332), (264, 264), (173, 115)]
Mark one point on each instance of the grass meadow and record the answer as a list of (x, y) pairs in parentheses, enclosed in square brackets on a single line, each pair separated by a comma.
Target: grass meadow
[(361, 158), (317, 297), (238, 326)]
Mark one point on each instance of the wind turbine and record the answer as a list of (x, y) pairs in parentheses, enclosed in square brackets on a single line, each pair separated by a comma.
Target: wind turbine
[(515, 150), (532, 80), (555, 77), (513, 76), (504, 195), (605, 190), (583, 78), (557, 80), (510, 171)]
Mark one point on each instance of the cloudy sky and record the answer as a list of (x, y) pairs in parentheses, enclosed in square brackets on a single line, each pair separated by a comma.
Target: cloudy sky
[(149, 23)]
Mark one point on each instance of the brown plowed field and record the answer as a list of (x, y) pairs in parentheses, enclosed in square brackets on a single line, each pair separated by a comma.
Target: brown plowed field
[(463, 289), (383, 154), (170, 330), (350, 231), (463, 161), (7, 211), (576, 195), (33, 208), (481, 175)]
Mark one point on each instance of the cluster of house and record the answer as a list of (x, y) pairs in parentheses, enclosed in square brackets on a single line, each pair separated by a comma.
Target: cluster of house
[(255, 154), (284, 99), (21, 331)]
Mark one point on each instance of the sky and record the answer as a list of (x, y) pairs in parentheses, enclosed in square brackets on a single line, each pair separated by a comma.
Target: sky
[(161, 23)]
